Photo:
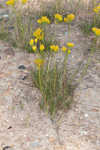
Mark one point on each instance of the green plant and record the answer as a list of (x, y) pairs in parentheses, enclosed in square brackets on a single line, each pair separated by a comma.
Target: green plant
[(93, 21), (54, 84), (49, 77), (22, 22)]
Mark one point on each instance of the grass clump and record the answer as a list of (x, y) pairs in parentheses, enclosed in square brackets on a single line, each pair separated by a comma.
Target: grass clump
[(50, 76)]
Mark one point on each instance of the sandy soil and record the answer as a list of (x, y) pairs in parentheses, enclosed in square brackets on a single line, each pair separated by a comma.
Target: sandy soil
[(23, 126)]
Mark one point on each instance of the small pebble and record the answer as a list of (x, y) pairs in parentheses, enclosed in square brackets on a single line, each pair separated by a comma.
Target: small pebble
[(23, 78), (9, 127), (35, 144), (83, 133), (22, 67), (6, 148), (86, 115)]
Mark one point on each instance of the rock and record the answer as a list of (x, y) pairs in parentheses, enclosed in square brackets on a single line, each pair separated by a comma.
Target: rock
[(35, 144), (86, 115), (7, 148), (24, 77), (22, 67), (4, 16)]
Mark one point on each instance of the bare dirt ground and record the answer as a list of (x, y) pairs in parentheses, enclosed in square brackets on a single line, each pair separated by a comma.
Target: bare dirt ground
[(23, 126)]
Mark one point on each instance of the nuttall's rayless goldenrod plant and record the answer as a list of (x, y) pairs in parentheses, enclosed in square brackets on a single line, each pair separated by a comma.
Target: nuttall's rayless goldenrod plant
[(96, 27), (94, 21), (49, 77), (21, 21), (53, 82), (97, 37)]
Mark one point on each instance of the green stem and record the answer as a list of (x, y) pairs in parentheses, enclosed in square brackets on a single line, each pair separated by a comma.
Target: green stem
[(69, 31), (63, 79), (40, 84), (48, 67), (87, 65), (55, 77)]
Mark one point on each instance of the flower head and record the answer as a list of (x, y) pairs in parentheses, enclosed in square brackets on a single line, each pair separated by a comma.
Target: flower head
[(69, 51), (43, 19), (42, 47), (66, 20), (96, 31), (64, 49), (54, 48), (39, 21), (24, 1), (10, 2), (69, 44), (39, 62), (39, 34), (97, 9), (35, 40), (69, 18), (34, 48), (31, 42), (58, 17)]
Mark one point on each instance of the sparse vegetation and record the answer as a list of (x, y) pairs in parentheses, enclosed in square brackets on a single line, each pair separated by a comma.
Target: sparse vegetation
[(32, 32)]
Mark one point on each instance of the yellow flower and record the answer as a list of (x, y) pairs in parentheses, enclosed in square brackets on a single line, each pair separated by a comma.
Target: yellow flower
[(34, 48), (69, 18), (10, 2), (69, 51), (55, 48), (39, 34), (69, 44), (43, 19), (66, 20), (58, 17), (24, 1), (31, 42), (96, 31), (64, 49), (39, 62), (97, 9), (35, 40), (39, 21), (42, 47)]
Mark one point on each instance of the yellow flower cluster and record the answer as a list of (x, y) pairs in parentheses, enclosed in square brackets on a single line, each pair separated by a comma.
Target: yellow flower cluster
[(97, 9), (34, 48), (39, 34), (58, 17), (10, 2), (43, 19), (96, 31), (42, 47), (54, 48), (69, 18), (24, 1), (69, 45), (39, 62), (32, 41)]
